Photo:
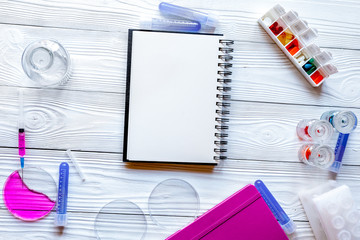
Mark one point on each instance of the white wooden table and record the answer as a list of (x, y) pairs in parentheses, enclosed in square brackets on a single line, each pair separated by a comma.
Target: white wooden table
[(269, 98)]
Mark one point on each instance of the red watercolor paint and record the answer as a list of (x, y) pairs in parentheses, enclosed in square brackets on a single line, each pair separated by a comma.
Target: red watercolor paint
[(317, 77), (276, 28), (307, 153), (293, 47), (306, 130)]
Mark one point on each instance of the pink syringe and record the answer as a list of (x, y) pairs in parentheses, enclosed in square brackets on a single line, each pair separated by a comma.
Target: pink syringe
[(21, 134)]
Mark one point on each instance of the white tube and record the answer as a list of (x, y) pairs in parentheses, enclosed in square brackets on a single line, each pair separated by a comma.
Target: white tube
[(77, 167)]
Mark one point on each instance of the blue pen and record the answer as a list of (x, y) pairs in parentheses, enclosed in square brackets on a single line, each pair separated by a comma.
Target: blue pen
[(285, 222), (61, 215), (201, 17)]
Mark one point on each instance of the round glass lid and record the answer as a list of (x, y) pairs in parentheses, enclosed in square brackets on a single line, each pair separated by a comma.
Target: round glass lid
[(122, 220), (173, 204)]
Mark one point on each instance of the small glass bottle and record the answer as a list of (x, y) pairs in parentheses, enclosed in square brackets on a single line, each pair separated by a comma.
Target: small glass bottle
[(321, 156), (343, 121), (313, 129)]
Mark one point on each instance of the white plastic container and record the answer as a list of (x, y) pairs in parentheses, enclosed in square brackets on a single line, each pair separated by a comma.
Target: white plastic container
[(332, 212), (338, 214), (294, 38)]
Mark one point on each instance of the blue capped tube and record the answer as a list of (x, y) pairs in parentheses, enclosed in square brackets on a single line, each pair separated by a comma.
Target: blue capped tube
[(285, 222), (201, 17), (61, 215), (345, 122), (171, 25)]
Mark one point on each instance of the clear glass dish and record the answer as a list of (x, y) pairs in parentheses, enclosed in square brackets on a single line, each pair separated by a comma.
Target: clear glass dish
[(47, 63)]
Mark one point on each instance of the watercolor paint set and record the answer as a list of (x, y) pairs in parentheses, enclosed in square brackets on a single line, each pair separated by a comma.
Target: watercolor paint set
[(295, 39)]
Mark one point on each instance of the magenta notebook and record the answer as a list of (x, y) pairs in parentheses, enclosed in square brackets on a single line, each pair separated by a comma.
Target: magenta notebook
[(243, 215)]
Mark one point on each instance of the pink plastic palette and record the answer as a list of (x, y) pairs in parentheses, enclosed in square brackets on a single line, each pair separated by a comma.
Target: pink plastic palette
[(294, 38), (32, 197)]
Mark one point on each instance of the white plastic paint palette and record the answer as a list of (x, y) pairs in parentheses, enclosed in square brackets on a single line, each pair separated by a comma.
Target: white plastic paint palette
[(332, 212), (295, 38), (339, 214)]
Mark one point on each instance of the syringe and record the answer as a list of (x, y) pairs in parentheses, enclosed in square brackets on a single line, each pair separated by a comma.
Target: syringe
[(21, 134)]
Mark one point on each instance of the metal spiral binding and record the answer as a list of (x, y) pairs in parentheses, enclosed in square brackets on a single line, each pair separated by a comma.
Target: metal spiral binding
[(223, 97)]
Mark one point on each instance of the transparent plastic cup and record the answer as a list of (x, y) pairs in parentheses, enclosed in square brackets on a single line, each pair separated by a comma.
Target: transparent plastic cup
[(314, 130), (343, 121), (321, 156), (47, 63), (120, 219), (173, 199)]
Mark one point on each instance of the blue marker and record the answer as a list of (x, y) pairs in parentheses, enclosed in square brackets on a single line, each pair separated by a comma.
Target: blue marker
[(201, 17), (61, 215), (285, 222)]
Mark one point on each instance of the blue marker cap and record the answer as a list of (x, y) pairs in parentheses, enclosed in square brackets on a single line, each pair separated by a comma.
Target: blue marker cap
[(285, 222), (61, 208)]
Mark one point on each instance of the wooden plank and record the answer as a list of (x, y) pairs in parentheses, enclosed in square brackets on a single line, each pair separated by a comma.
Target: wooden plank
[(334, 19), (108, 179), (268, 131), (261, 71), (57, 119), (98, 58), (91, 121), (81, 226), (87, 113)]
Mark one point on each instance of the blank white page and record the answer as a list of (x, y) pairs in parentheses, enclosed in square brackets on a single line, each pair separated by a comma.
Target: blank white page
[(172, 101)]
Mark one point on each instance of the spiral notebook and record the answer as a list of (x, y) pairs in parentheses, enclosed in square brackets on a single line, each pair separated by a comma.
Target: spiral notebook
[(176, 97)]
